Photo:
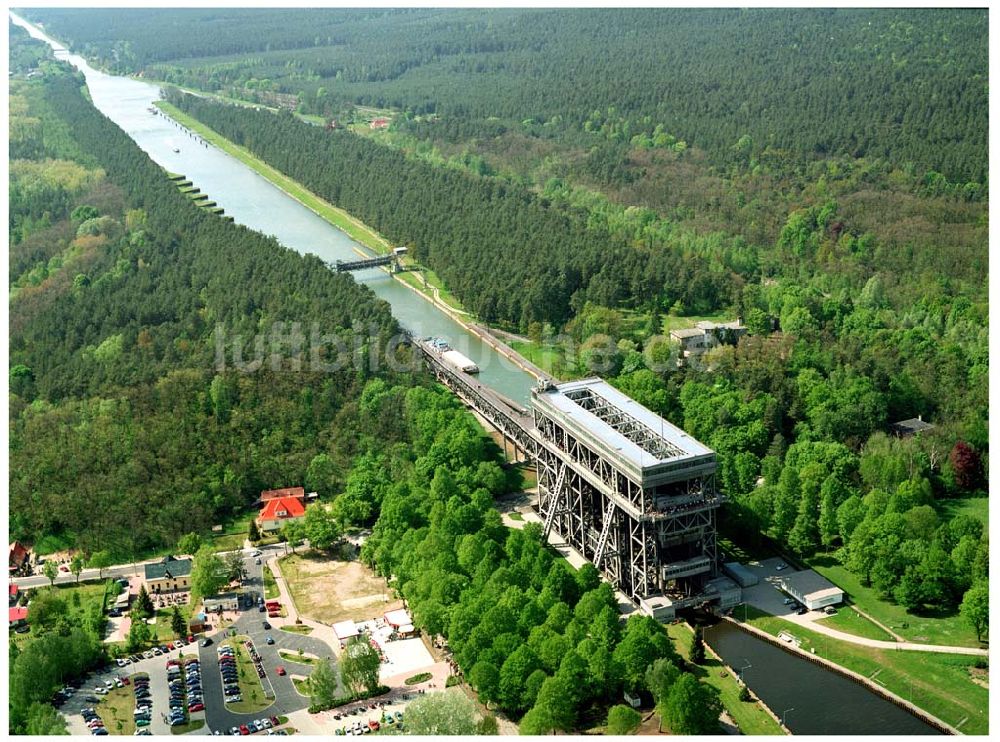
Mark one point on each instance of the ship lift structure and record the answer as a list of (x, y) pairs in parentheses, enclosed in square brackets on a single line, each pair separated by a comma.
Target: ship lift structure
[(630, 491)]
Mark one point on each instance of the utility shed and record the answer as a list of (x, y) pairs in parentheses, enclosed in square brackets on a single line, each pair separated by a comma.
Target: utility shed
[(743, 576), (811, 589)]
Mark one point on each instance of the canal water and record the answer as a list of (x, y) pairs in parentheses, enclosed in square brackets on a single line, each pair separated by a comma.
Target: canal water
[(823, 702), (253, 201), (812, 699)]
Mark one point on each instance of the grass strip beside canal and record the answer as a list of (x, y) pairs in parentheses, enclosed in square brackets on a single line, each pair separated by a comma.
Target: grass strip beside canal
[(849, 621), (750, 716), (353, 227), (941, 684)]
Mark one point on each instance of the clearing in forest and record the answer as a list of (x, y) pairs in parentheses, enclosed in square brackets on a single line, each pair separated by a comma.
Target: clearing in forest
[(332, 590)]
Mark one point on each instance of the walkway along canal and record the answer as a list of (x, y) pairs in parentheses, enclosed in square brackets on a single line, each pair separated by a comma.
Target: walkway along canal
[(823, 702)]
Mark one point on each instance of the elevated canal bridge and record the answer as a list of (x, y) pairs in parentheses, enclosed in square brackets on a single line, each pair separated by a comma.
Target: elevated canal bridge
[(629, 490)]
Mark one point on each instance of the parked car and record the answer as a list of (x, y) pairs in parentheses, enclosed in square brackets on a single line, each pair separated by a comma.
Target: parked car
[(206, 641), (780, 566), (244, 730)]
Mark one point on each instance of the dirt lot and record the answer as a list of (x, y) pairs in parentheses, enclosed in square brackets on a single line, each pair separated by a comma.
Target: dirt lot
[(330, 590)]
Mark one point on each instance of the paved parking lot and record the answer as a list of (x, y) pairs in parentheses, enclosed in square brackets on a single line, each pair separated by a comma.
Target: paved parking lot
[(767, 596), (156, 667)]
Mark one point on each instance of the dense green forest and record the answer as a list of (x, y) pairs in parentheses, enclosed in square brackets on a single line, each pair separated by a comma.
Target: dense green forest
[(904, 85), (124, 430), (465, 225), (873, 330), (820, 174)]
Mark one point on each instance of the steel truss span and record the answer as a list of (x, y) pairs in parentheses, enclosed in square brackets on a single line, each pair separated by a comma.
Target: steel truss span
[(652, 534)]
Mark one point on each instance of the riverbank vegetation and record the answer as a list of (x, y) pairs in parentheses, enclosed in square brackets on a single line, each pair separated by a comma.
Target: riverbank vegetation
[(944, 685)]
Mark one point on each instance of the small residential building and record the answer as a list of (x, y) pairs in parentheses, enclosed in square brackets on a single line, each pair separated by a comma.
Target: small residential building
[(17, 616), (222, 601), (198, 623), (19, 556), (168, 575), (913, 426), (277, 511), (811, 589), (379, 123), (12, 593), (706, 335)]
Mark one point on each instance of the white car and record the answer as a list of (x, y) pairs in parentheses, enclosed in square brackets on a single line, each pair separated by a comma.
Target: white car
[(101, 690)]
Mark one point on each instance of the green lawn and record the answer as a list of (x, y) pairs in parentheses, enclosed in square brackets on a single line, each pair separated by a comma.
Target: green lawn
[(951, 630), (163, 630), (941, 684), (977, 507), (49, 543), (302, 686), (270, 586), (189, 727), (115, 710), (749, 716), (549, 358), (849, 621), (229, 542), (297, 629), (674, 322), (296, 657), (250, 685)]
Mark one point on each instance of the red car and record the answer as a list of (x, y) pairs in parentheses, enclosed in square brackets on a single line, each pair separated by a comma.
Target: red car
[(243, 729), (196, 707), (275, 722), (125, 680), (170, 645), (373, 725), (280, 670), (190, 638)]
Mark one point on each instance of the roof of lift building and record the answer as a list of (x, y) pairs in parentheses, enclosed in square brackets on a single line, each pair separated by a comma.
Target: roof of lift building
[(666, 447)]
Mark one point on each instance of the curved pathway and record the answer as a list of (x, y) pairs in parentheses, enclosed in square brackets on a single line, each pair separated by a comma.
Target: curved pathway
[(813, 625)]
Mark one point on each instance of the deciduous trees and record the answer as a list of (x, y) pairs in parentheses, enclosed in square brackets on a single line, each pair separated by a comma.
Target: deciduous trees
[(623, 720), (208, 572), (444, 713), (359, 665)]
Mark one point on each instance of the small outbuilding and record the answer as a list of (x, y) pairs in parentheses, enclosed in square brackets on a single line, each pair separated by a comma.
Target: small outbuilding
[(811, 589), (399, 618), (198, 623), (743, 576), (224, 601), (345, 630)]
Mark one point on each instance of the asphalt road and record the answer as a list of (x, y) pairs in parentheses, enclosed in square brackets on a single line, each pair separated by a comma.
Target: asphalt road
[(250, 623), (117, 570)]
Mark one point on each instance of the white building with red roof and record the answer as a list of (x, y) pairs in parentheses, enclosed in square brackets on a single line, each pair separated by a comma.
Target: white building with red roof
[(278, 510)]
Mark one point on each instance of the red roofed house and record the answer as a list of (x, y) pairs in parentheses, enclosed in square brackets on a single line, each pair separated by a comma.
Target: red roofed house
[(379, 123), (278, 510), (296, 492), (18, 556), (12, 592), (17, 616)]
